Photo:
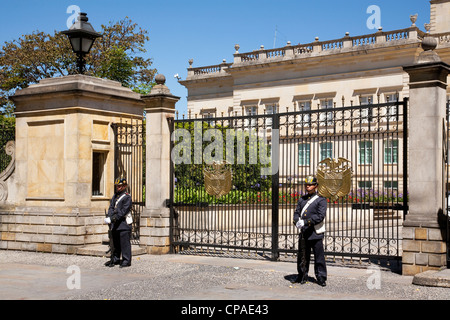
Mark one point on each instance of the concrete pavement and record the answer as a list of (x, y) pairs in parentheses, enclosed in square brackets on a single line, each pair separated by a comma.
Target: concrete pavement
[(40, 276)]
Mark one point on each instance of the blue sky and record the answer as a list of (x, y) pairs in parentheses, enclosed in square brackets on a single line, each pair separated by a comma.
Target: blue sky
[(207, 30)]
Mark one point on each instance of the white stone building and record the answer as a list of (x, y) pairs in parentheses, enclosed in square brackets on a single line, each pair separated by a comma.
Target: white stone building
[(350, 70)]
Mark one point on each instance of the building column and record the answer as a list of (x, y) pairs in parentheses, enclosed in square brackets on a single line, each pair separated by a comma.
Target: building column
[(424, 246), (155, 219)]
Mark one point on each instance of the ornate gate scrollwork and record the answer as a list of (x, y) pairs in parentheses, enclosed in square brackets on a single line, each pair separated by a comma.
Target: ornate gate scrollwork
[(5, 174)]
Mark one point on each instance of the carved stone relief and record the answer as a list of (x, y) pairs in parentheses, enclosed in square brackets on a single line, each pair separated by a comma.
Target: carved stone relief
[(10, 149)]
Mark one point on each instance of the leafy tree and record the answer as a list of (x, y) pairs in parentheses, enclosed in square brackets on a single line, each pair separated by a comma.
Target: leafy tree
[(120, 45), (39, 55)]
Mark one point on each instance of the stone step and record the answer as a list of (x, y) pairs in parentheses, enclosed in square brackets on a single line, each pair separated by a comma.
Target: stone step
[(433, 278), (99, 250)]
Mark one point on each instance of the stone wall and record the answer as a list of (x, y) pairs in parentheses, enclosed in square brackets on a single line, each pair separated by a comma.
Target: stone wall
[(155, 232), (60, 124), (44, 230), (423, 249)]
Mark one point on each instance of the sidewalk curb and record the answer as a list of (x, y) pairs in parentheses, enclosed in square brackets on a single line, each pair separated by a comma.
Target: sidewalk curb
[(433, 278)]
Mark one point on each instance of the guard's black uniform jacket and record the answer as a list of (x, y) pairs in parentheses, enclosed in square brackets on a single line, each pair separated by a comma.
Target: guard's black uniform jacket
[(310, 240), (122, 209), (121, 230), (313, 215)]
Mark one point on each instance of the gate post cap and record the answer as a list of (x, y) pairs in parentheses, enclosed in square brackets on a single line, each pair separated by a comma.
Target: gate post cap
[(160, 97), (159, 89), (160, 79), (428, 54)]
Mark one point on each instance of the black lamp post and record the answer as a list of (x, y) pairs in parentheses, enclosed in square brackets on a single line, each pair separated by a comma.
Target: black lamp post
[(82, 36)]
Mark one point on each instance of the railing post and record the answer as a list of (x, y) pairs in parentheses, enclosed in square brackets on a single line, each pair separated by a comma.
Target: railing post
[(289, 49), (262, 53), (347, 42), (380, 37), (275, 189), (317, 46)]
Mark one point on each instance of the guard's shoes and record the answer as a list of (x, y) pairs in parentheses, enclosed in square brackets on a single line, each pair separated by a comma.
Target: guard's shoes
[(110, 263), (125, 265), (301, 280), (321, 282)]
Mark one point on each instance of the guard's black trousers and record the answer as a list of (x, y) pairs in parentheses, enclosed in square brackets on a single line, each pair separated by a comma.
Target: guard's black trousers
[(122, 246), (304, 257)]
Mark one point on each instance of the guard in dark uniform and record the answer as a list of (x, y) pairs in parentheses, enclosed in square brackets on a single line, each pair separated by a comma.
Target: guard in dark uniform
[(119, 215), (309, 218)]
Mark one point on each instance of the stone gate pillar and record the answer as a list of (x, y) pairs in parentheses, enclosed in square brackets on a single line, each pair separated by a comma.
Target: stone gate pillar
[(424, 246), (155, 219), (65, 162)]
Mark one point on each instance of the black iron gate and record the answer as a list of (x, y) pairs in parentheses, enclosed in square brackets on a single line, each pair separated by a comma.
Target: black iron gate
[(129, 162), (269, 156)]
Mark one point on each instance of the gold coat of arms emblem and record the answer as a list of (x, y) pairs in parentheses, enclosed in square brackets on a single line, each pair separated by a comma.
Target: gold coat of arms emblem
[(334, 177), (218, 179)]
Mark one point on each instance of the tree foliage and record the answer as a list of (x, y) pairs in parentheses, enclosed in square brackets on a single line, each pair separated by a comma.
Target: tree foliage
[(35, 56), (246, 176)]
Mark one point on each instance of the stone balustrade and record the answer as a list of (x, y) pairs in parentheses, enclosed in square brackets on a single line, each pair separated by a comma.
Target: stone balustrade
[(347, 43), (208, 70), (442, 38), (330, 46)]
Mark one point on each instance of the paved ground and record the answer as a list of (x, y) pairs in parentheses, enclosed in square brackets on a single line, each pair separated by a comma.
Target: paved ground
[(29, 275)]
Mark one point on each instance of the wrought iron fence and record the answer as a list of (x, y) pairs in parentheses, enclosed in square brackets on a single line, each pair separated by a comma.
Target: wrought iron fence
[(269, 155), (129, 160)]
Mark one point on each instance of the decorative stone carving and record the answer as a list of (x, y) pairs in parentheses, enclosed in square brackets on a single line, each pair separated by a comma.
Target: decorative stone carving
[(429, 43), (3, 191), (10, 150), (160, 87), (413, 19)]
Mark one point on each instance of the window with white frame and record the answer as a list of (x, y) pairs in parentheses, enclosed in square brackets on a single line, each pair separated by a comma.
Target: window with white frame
[(393, 185), (326, 150), (326, 118), (304, 119), (365, 152), (391, 151), (304, 154), (270, 109), (365, 100), (392, 111), (366, 113), (364, 184), (391, 97), (251, 111), (208, 115)]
